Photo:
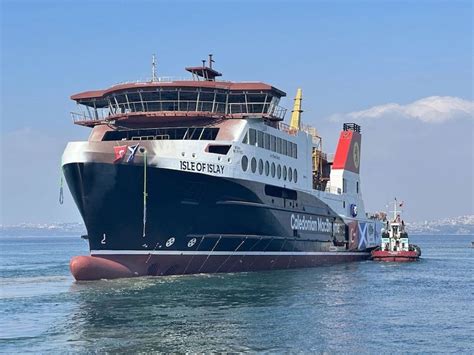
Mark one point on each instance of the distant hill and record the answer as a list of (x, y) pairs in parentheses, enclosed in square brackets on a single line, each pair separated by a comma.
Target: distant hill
[(461, 225), (47, 229)]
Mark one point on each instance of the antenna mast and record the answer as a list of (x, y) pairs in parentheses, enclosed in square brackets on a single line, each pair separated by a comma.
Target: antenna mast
[(153, 69), (210, 61)]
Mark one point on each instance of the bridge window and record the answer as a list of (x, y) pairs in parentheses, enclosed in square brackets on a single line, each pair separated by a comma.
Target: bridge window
[(252, 136), (246, 138), (273, 143), (270, 142), (284, 146), (260, 139), (266, 143)]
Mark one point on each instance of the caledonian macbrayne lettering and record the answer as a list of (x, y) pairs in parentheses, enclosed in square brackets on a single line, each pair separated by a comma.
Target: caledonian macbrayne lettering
[(201, 167), (322, 225)]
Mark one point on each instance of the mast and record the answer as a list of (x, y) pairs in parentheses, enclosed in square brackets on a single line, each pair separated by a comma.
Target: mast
[(395, 210), (153, 69)]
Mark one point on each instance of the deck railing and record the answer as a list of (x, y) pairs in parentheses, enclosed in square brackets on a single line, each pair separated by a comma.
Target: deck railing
[(164, 79), (304, 128)]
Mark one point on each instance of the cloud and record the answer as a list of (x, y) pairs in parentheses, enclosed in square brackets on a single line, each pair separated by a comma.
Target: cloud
[(432, 109)]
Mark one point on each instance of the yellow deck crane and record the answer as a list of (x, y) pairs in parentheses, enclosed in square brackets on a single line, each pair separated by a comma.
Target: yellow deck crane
[(295, 125)]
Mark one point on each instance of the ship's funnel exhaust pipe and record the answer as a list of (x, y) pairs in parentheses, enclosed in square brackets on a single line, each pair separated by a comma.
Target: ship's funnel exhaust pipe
[(347, 155)]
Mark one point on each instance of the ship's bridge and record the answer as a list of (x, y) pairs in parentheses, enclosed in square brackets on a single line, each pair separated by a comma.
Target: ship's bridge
[(202, 96)]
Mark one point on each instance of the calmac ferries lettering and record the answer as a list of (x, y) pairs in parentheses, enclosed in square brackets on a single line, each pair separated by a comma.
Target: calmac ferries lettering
[(201, 167), (322, 225)]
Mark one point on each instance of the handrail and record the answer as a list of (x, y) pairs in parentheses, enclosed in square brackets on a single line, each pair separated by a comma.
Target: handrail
[(163, 79)]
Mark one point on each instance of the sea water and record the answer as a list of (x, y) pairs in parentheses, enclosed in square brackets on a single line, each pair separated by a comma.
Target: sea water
[(424, 306)]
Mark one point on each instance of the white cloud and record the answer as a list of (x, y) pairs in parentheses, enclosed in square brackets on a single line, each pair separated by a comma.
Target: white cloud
[(433, 109)]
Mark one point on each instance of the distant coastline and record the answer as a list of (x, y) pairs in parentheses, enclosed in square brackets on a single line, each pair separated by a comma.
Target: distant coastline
[(43, 229), (462, 225)]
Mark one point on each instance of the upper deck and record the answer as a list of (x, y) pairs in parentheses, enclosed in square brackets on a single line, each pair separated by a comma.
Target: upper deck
[(202, 96)]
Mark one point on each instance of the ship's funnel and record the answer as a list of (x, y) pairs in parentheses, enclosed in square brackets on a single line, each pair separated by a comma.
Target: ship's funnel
[(347, 155), (296, 113)]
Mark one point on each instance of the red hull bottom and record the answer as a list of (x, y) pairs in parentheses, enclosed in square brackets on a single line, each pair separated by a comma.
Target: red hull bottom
[(398, 256), (85, 268)]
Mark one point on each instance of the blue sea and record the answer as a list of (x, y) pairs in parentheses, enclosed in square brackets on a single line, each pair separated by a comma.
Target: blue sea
[(368, 307)]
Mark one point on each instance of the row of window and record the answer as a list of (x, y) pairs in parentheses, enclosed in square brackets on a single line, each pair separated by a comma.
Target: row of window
[(219, 101), (270, 142), (273, 170)]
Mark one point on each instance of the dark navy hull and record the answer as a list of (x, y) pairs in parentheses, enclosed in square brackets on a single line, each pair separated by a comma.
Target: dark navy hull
[(200, 223)]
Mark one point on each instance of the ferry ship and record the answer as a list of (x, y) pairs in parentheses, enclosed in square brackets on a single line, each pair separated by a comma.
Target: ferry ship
[(200, 175)]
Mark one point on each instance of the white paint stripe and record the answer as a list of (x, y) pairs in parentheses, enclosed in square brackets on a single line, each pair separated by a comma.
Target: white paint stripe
[(189, 252)]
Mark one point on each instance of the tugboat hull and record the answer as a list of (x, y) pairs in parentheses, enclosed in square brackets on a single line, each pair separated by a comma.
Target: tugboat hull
[(395, 256)]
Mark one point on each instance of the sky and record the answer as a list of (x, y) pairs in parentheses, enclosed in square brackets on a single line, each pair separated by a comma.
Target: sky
[(401, 69)]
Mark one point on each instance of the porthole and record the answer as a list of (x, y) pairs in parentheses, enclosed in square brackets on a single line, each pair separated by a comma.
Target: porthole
[(290, 174), (284, 173), (279, 171), (253, 165), (273, 169), (267, 168), (260, 166), (245, 163), (295, 175)]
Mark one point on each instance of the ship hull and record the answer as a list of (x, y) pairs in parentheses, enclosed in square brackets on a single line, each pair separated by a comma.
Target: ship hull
[(87, 268), (397, 256), (196, 223)]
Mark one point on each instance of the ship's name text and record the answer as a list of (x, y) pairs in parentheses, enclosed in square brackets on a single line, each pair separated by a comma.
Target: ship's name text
[(201, 167), (322, 225)]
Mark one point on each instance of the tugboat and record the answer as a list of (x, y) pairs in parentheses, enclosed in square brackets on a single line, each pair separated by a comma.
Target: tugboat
[(395, 245)]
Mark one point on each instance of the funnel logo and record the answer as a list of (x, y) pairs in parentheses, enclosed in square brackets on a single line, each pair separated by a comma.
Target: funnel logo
[(356, 154)]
